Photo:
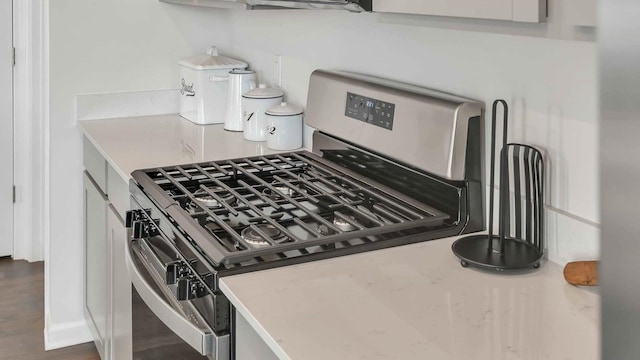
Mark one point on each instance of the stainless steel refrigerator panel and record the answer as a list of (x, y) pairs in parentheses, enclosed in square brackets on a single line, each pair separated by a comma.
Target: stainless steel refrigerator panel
[(619, 170)]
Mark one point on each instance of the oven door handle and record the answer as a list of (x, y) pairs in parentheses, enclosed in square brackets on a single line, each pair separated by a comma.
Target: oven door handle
[(201, 338)]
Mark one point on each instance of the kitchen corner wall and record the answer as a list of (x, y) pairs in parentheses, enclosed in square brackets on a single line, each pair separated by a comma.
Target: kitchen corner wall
[(546, 72), (99, 46)]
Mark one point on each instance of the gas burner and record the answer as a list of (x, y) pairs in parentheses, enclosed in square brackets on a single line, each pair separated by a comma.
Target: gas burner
[(255, 239), (171, 193), (281, 188), (206, 200), (284, 189), (339, 223), (343, 224)]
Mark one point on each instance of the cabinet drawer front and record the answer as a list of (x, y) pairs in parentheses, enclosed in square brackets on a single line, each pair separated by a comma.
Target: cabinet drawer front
[(95, 164), (121, 343), (492, 9), (118, 190), (96, 264), (510, 10)]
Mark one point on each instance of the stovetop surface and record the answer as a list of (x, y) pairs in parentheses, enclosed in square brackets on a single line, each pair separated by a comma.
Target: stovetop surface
[(294, 202)]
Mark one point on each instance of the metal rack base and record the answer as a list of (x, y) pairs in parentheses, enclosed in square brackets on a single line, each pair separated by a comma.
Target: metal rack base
[(517, 254)]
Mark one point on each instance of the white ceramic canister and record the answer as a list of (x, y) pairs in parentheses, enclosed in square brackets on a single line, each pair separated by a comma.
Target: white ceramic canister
[(284, 127), (254, 104), (240, 81), (203, 85)]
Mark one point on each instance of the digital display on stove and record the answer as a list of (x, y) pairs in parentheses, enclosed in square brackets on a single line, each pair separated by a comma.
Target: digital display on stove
[(369, 110)]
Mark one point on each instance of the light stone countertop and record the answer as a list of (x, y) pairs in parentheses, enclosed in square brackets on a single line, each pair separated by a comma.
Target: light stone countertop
[(417, 302), (134, 143), (408, 302)]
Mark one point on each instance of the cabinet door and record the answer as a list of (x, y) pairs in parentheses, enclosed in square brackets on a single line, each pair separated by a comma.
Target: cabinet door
[(96, 263), (249, 345), (121, 348), (511, 10)]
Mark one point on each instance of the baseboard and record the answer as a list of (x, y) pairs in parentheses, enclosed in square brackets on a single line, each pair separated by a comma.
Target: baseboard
[(67, 334)]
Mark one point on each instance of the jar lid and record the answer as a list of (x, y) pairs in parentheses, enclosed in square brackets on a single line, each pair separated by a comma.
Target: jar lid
[(241, 72), (263, 92), (212, 61), (285, 109)]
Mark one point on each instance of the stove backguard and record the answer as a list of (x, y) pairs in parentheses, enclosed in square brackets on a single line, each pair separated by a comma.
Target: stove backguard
[(423, 128)]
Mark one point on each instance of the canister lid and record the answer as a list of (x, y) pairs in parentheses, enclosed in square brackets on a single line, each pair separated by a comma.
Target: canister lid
[(212, 61), (285, 109), (241, 72), (263, 92)]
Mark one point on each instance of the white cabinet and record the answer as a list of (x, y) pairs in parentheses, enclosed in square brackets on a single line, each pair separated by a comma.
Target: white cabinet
[(511, 10), (107, 283), (121, 347), (249, 345), (224, 4), (96, 262)]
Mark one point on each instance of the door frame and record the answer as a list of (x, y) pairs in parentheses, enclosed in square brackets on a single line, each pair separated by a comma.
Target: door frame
[(7, 162), (31, 129)]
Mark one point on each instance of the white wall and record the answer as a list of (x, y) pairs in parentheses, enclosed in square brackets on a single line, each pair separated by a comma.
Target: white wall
[(100, 46), (549, 82)]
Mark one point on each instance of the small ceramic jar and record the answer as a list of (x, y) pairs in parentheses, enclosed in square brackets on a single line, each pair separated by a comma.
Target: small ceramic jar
[(254, 104), (284, 127)]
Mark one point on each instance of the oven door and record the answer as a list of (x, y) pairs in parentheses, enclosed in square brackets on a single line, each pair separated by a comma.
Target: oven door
[(164, 327)]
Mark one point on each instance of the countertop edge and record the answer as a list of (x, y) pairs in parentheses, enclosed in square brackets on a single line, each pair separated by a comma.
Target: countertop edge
[(114, 165)]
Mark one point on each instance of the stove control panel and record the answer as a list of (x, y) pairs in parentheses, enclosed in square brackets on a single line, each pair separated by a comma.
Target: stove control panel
[(369, 110)]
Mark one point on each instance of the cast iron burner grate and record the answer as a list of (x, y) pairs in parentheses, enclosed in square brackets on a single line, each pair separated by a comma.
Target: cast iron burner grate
[(287, 202)]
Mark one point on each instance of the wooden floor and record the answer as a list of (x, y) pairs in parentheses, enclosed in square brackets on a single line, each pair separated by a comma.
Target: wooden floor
[(22, 315)]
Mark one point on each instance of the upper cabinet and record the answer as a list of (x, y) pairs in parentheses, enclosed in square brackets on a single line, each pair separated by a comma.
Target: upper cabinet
[(534, 11), (223, 4), (571, 12)]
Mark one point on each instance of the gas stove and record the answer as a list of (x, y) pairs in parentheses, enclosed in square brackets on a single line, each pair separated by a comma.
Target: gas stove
[(391, 164)]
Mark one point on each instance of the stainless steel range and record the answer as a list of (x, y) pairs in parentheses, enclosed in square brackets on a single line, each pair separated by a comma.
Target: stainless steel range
[(391, 164)]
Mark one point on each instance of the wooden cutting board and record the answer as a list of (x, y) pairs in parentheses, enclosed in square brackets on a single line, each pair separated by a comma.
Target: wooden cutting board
[(581, 273)]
